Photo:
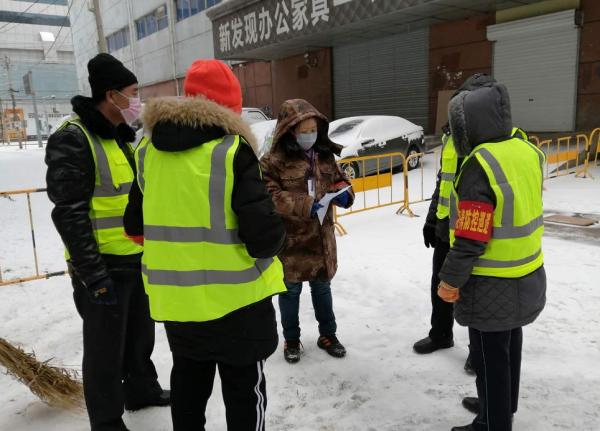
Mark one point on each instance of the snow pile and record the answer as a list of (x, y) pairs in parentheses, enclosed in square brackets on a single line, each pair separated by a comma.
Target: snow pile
[(381, 297)]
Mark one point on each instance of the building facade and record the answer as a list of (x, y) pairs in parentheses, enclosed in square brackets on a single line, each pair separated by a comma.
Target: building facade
[(156, 39), (35, 36), (406, 57)]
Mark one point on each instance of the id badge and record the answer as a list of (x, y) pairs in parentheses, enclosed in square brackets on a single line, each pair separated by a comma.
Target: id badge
[(312, 191)]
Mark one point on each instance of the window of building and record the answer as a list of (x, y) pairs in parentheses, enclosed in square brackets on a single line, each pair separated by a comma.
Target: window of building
[(187, 8), (118, 40), (153, 22), (47, 36)]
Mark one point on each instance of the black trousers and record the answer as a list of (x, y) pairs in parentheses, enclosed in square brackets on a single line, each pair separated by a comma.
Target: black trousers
[(442, 313), (496, 358), (244, 393), (117, 344)]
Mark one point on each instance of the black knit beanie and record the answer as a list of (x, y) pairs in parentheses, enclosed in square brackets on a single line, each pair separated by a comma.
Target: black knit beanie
[(108, 73)]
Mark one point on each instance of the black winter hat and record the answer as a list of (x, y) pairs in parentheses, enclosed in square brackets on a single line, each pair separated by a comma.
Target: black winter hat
[(108, 73)]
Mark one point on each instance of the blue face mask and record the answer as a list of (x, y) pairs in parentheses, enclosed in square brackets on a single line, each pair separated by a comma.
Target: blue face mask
[(306, 140)]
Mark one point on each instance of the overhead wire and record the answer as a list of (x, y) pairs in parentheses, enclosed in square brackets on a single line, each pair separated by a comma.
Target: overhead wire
[(21, 13), (16, 24)]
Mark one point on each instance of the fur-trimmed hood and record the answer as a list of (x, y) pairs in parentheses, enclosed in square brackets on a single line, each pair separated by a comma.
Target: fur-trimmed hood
[(181, 123), (479, 115), (292, 113)]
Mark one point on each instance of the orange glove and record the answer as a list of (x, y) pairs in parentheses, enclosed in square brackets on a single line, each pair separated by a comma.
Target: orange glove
[(447, 292)]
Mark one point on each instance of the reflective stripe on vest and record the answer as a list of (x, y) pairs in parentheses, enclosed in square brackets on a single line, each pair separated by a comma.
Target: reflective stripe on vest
[(448, 173), (515, 248), (200, 271), (206, 277), (114, 177)]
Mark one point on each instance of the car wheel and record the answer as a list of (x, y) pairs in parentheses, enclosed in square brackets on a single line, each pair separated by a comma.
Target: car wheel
[(350, 170), (414, 162)]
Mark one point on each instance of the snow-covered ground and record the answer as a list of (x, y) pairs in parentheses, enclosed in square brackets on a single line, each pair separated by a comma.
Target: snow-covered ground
[(381, 297)]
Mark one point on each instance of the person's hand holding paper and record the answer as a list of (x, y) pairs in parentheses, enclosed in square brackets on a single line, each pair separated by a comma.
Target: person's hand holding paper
[(325, 201)]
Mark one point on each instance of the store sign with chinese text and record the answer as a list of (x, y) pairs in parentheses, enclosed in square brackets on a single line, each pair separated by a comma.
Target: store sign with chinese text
[(267, 22), (271, 21)]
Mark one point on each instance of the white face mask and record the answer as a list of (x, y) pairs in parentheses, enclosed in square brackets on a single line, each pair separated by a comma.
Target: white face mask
[(306, 140), (133, 112)]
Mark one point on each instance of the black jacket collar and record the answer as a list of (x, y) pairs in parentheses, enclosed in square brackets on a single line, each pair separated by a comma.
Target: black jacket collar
[(96, 123)]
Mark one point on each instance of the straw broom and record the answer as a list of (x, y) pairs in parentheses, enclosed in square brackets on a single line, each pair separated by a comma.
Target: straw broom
[(57, 387)]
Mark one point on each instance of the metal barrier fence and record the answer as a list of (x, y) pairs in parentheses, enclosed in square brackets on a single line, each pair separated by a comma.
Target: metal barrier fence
[(38, 275), (569, 154), (593, 149), (564, 156), (372, 177)]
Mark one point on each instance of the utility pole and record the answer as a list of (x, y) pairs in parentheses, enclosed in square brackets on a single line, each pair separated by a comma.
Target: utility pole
[(99, 27), (30, 90), (12, 92), (1, 121), (171, 14)]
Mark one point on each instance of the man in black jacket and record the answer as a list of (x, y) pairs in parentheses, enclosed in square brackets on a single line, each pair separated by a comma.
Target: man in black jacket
[(118, 334), (239, 342), (436, 235)]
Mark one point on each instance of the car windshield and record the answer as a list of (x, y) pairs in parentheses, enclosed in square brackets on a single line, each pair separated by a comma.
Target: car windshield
[(344, 127)]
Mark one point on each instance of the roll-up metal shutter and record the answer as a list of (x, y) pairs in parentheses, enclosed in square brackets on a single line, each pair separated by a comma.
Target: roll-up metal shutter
[(387, 76), (536, 58)]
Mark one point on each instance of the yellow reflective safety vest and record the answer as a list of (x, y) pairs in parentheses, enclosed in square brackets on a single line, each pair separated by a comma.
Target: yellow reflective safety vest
[(448, 172), (515, 174), (519, 133), (195, 267), (449, 167), (114, 176)]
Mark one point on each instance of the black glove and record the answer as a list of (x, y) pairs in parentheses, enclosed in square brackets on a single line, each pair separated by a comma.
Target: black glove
[(429, 235), (342, 200), (103, 292)]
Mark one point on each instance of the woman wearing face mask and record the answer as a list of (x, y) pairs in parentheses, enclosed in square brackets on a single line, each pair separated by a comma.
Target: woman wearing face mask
[(299, 170)]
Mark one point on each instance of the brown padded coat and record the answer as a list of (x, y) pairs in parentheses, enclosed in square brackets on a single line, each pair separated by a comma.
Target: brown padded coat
[(310, 252)]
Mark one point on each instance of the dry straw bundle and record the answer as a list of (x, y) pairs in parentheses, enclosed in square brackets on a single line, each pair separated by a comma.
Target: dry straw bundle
[(57, 387)]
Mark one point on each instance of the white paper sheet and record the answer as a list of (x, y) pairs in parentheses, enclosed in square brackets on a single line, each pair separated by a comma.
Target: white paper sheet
[(326, 200)]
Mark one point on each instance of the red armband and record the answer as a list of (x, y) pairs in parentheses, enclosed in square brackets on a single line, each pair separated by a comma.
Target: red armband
[(475, 221), (138, 239), (338, 186)]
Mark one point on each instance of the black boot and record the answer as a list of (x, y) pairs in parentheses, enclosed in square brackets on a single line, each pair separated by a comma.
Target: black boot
[(464, 428), (331, 345), (162, 399), (471, 404), (429, 345), (292, 350)]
